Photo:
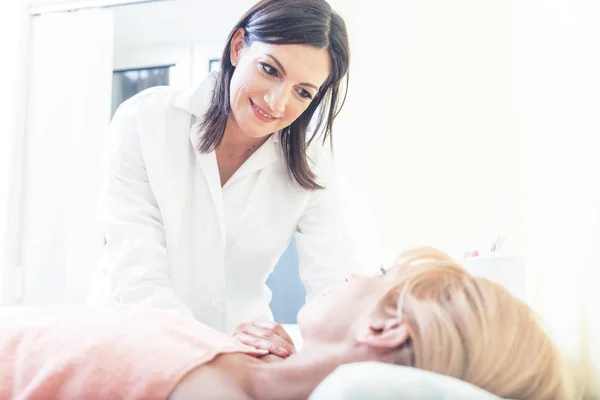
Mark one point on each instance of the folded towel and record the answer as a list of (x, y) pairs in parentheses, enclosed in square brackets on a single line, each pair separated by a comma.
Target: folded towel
[(128, 353)]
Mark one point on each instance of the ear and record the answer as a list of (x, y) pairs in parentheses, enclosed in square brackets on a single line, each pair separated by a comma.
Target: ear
[(384, 332), (237, 45)]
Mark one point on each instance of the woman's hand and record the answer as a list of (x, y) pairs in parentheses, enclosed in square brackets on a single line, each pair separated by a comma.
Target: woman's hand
[(266, 335)]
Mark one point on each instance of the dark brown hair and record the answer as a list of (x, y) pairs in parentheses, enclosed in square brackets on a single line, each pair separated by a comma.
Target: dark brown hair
[(309, 22)]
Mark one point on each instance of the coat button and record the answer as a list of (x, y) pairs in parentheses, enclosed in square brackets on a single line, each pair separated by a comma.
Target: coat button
[(216, 303)]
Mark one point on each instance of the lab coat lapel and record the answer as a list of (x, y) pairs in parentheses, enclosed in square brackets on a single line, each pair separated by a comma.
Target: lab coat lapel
[(266, 155), (208, 168)]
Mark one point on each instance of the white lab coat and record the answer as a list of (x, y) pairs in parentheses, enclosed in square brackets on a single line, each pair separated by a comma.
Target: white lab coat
[(175, 239)]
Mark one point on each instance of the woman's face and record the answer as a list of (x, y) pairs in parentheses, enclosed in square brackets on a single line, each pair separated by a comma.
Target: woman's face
[(330, 318), (272, 85)]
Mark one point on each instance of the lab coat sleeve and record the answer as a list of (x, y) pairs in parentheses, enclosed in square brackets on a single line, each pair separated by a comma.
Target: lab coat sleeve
[(320, 235), (134, 259)]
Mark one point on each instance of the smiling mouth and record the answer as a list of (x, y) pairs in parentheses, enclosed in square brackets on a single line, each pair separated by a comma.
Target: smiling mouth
[(261, 112)]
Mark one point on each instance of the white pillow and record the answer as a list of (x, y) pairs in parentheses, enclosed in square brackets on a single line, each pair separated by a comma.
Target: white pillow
[(379, 381)]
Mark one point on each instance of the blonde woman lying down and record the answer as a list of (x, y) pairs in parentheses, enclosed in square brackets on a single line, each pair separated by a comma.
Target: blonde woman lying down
[(427, 312)]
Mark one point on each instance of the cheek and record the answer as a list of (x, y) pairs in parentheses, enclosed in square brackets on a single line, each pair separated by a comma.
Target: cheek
[(238, 92), (294, 110), (243, 85), (234, 91)]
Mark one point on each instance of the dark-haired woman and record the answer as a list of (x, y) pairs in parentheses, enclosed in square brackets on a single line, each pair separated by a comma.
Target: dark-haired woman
[(206, 187)]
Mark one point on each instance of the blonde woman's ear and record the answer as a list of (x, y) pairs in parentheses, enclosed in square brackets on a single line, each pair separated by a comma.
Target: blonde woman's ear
[(384, 333)]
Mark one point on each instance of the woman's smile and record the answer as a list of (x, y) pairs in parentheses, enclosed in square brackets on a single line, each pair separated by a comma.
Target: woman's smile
[(261, 113)]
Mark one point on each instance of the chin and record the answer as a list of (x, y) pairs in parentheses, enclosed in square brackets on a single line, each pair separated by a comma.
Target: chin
[(312, 318), (259, 135), (303, 322), (255, 133)]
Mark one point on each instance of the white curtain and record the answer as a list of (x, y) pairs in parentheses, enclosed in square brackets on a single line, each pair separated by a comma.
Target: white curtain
[(556, 64), (14, 48), (68, 112)]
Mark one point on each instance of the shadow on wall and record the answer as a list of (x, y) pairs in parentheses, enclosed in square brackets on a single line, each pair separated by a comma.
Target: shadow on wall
[(288, 291)]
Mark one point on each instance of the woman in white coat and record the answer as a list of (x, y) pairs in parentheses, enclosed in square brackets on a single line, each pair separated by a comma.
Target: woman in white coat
[(206, 187)]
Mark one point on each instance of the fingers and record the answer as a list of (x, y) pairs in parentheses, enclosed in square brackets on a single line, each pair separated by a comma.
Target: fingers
[(268, 339), (265, 335), (261, 344), (278, 330)]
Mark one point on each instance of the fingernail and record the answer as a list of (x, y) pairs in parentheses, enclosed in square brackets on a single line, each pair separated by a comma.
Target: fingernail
[(264, 324), (283, 351)]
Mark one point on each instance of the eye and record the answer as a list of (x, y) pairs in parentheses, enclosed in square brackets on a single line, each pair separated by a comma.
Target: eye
[(305, 94), (383, 270), (268, 69)]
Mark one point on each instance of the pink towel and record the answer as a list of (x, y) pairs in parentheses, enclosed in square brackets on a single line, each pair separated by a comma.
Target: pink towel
[(91, 354)]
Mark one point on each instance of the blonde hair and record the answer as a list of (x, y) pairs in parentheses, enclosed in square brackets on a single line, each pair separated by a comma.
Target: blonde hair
[(473, 329)]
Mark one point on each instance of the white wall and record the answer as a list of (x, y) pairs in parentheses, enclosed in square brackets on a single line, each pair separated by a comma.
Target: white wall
[(556, 64), (428, 131)]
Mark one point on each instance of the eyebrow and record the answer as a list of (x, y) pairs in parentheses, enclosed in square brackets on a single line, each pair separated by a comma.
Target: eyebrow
[(285, 73)]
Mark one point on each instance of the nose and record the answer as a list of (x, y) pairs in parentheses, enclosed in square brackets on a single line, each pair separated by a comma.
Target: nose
[(277, 99)]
